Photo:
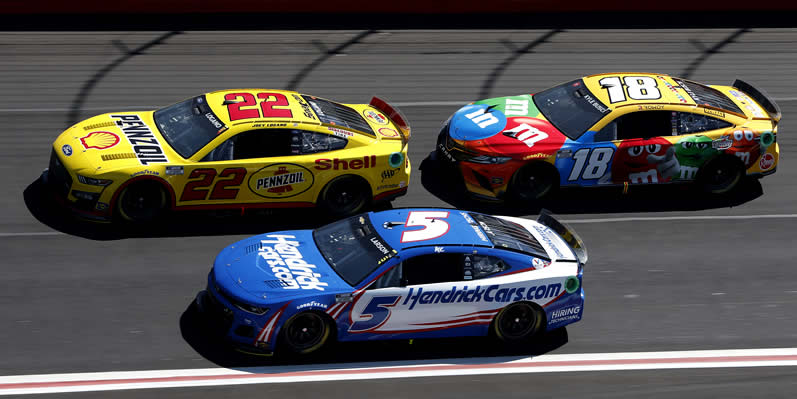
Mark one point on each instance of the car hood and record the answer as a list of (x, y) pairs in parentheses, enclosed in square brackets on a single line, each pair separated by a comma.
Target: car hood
[(505, 126), (277, 265), (114, 141)]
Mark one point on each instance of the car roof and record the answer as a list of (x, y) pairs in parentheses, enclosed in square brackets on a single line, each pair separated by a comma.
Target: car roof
[(671, 93), (461, 228)]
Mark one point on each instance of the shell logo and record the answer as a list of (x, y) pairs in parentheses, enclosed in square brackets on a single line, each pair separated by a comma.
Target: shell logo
[(388, 132), (281, 180), (99, 140)]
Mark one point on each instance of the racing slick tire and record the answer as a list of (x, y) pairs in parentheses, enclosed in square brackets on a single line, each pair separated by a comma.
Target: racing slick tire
[(345, 196), (517, 322), (720, 175), (141, 202), (306, 332), (533, 182)]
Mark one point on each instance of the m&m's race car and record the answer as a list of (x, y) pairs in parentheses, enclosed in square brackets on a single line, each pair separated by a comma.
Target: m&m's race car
[(613, 129), (405, 273), (239, 149)]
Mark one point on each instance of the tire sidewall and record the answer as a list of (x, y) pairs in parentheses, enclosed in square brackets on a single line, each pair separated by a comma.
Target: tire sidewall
[(545, 170), (332, 209), (326, 336), (536, 325), (715, 164), (151, 188)]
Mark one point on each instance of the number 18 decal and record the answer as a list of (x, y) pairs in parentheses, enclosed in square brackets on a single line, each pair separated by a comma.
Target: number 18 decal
[(432, 222), (590, 163), (638, 87)]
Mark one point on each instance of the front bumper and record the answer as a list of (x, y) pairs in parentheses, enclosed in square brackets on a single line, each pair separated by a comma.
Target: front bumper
[(230, 324), (82, 200), (485, 182)]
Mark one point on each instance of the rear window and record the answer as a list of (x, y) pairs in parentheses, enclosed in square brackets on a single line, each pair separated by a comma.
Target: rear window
[(703, 94), (509, 235), (337, 114)]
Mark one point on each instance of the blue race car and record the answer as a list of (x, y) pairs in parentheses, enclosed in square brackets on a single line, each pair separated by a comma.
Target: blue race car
[(405, 273)]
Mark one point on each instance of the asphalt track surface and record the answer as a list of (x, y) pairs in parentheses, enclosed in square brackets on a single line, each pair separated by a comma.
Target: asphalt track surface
[(76, 297)]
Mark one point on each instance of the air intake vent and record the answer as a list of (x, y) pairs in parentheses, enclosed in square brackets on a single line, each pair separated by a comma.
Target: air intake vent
[(252, 248), (275, 283), (112, 157), (99, 125)]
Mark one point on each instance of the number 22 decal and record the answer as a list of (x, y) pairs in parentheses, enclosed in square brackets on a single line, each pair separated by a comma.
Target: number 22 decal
[(639, 88), (196, 190), (246, 108), (433, 225), (590, 163)]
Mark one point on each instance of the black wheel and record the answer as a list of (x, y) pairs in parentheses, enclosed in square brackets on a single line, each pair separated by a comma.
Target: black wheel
[(517, 322), (534, 182), (720, 175), (305, 332), (141, 202), (345, 196)]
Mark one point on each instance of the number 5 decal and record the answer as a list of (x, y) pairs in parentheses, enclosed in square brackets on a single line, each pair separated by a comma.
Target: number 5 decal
[(377, 312), (432, 222)]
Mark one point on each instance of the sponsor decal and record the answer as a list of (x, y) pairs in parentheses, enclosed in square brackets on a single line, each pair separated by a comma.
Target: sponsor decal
[(386, 186), (722, 143), (595, 103), (145, 172), (99, 140), (312, 304), (285, 261), (513, 107), (388, 132), (526, 134), (388, 173), (672, 89), (493, 293), (714, 112), (446, 154), (305, 108), (375, 117), (537, 155), (565, 314), (649, 107), (281, 180), (439, 250), (101, 206), (368, 161), (340, 132), (767, 161), (539, 263), (748, 103), (66, 149), (496, 180), (174, 170), (146, 147), (688, 91), (474, 226), (545, 234)]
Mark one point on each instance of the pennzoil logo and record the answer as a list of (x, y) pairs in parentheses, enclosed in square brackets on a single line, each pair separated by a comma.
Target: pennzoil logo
[(147, 148), (281, 180), (375, 117), (99, 140)]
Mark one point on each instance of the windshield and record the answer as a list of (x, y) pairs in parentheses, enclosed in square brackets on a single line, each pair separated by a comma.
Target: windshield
[(352, 248), (189, 125), (571, 108)]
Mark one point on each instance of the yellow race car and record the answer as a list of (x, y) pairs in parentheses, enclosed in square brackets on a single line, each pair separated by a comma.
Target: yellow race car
[(235, 149)]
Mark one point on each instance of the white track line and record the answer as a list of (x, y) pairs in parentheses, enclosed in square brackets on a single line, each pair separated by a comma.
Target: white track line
[(106, 381), (571, 221), (150, 107)]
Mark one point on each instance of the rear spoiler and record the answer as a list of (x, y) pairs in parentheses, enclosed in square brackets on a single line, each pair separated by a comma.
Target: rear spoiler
[(571, 238), (396, 116), (761, 97)]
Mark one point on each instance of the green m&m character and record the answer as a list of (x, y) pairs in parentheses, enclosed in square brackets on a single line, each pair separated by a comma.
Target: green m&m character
[(692, 152)]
